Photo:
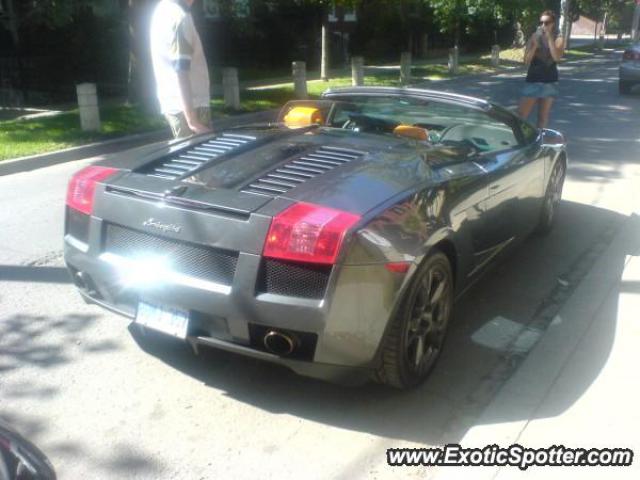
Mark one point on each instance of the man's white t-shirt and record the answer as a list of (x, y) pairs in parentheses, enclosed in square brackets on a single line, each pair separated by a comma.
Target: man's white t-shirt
[(176, 46)]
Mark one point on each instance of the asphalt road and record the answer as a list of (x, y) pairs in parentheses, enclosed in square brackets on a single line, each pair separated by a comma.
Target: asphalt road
[(104, 402)]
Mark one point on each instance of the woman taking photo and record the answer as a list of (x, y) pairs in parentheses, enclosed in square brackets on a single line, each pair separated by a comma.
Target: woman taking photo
[(543, 52)]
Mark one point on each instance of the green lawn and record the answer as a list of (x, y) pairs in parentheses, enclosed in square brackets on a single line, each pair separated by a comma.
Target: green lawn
[(28, 137), (259, 98), (20, 138), (39, 135)]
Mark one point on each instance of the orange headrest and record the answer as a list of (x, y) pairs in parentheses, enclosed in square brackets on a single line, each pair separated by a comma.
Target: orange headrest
[(303, 117), (410, 131)]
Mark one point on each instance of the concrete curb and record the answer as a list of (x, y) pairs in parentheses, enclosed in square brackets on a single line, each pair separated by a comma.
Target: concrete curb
[(25, 164), (33, 162)]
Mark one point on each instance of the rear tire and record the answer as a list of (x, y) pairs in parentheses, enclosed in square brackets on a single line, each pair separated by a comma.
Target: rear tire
[(624, 87), (552, 198), (415, 337)]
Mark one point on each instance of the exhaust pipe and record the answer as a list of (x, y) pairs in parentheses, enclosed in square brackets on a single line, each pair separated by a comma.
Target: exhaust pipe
[(279, 343)]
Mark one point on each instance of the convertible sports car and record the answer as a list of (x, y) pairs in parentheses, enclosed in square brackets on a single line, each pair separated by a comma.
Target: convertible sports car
[(333, 241)]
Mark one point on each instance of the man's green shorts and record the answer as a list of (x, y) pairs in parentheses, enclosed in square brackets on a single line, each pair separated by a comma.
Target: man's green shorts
[(178, 122)]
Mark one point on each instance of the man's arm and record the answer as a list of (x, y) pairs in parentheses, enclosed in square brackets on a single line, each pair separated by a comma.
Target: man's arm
[(187, 106), (183, 49)]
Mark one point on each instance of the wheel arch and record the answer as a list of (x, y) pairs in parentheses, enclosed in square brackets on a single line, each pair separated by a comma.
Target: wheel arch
[(444, 244), (562, 157), (447, 247)]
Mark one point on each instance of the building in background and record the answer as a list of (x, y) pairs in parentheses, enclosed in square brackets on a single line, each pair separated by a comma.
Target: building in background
[(584, 27)]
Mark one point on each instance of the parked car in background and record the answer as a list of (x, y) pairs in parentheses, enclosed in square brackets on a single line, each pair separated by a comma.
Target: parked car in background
[(629, 69)]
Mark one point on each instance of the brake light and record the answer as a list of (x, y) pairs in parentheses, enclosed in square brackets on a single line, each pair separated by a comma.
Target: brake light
[(631, 55), (308, 233), (82, 187)]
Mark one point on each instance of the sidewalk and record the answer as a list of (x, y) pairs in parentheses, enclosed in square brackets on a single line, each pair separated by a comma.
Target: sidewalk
[(345, 71), (579, 386)]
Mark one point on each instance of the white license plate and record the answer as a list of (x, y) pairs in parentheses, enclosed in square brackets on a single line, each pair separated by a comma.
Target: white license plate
[(165, 319)]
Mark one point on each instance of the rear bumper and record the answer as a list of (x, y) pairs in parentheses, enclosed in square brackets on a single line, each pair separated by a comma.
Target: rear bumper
[(345, 327), (340, 374), (630, 72)]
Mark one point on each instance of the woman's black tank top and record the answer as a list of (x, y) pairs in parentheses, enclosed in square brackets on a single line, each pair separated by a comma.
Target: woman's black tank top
[(543, 67)]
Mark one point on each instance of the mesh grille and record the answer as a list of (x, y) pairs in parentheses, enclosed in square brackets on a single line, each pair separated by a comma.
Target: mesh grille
[(77, 225), (207, 263), (293, 279)]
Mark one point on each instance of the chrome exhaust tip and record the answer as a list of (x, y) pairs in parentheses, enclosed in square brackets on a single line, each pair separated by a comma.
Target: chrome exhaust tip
[(279, 343)]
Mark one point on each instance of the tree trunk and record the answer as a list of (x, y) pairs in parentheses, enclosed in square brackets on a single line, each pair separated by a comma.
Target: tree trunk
[(13, 23), (20, 87), (635, 23), (565, 18), (141, 84)]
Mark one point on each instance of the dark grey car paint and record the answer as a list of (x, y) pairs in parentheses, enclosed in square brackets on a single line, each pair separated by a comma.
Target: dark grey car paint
[(411, 198)]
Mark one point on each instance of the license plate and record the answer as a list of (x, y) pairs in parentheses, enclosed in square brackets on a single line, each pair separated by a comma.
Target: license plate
[(165, 319)]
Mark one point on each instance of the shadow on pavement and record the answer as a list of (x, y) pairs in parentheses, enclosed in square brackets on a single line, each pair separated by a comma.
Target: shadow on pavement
[(33, 273), (518, 292), (50, 343), (599, 314), (23, 340), (122, 460)]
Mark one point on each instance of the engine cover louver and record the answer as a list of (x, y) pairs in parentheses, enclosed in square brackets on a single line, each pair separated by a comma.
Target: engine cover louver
[(295, 172), (186, 161)]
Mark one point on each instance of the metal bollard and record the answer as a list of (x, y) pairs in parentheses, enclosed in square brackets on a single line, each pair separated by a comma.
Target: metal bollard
[(357, 71), (405, 68), (88, 106), (495, 56), (299, 70), (453, 60), (231, 88)]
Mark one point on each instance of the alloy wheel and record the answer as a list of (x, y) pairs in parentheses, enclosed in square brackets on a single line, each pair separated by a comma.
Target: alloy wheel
[(427, 324), (554, 191)]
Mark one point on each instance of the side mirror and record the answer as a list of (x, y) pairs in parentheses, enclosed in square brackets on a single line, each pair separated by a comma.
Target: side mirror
[(552, 138), (20, 459)]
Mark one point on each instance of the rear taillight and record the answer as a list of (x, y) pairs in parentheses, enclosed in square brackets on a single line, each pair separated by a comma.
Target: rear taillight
[(82, 187), (308, 233), (631, 55)]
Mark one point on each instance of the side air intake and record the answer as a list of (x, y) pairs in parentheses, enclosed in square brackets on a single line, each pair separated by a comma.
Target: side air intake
[(186, 161), (285, 177)]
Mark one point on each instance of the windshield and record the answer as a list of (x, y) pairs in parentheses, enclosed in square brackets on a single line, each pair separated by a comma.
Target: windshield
[(444, 123)]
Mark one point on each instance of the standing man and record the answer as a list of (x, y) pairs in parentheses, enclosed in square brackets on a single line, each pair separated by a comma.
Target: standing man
[(181, 72)]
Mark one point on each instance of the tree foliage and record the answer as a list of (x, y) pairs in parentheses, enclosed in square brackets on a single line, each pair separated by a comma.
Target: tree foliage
[(106, 41), (58, 13)]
